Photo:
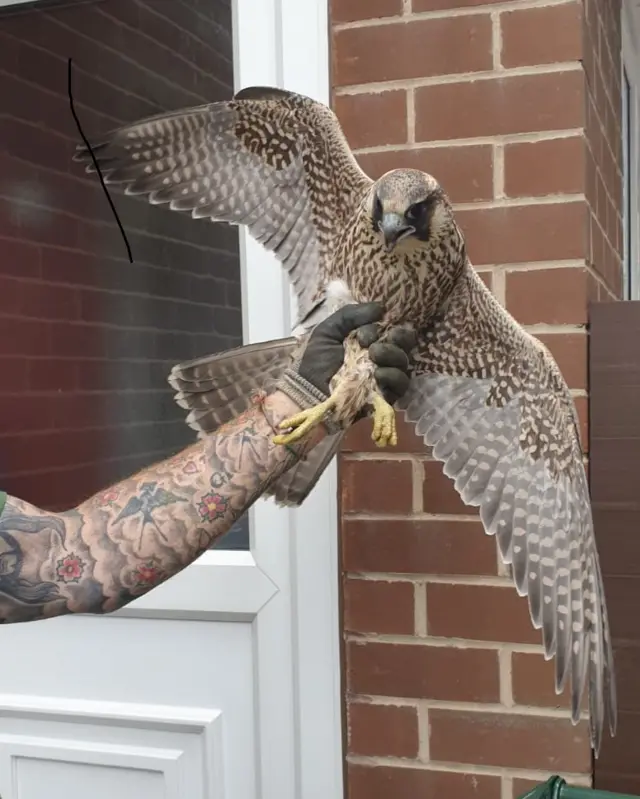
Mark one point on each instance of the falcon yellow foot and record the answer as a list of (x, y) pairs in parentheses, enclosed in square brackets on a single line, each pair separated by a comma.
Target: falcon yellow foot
[(384, 423), (303, 422)]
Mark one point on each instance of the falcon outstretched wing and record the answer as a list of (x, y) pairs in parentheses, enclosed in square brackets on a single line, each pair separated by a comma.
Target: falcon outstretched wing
[(492, 403), (270, 159)]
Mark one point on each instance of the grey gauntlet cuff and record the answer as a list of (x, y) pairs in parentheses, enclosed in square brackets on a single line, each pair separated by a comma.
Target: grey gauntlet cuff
[(304, 394), (301, 391)]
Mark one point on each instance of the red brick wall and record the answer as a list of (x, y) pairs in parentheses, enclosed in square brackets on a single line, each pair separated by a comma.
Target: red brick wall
[(446, 688), (603, 133), (87, 339)]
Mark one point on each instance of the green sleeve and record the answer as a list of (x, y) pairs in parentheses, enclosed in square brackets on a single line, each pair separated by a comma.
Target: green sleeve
[(3, 499)]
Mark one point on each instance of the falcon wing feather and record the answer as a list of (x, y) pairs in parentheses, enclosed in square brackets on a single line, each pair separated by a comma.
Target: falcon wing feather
[(501, 419), (269, 159)]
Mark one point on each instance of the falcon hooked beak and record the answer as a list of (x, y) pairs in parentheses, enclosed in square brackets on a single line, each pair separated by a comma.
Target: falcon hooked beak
[(394, 227)]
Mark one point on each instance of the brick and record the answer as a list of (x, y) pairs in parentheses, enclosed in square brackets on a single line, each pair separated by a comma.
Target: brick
[(77, 269), (75, 411), (370, 120), (382, 730), (551, 296), (424, 48), (380, 486), (56, 449), (382, 782), (77, 341), (14, 374), (570, 353), (25, 413), (479, 613), (439, 493), (48, 302), (19, 258), (417, 671), (378, 606), (533, 681), (537, 169), (465, 173), (355, 10), (443, 5), (51, 374), (497, 106), (24, 337), (510, 741), (10, 296), (417, 547), (512, 234), (520, 787), (544, 35)]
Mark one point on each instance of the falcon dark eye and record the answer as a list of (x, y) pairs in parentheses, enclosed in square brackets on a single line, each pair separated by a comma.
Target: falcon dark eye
[(416, 211)]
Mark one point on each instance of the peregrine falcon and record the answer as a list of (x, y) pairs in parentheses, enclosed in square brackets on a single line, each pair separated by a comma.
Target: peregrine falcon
[(485, 395)]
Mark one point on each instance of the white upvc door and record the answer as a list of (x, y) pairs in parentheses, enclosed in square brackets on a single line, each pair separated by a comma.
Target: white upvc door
[(224, 682)]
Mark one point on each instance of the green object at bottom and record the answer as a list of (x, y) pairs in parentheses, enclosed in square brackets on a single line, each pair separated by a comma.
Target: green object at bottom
[(557, 788)]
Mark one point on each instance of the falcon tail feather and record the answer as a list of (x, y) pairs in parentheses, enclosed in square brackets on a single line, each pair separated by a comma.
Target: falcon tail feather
[(216, 388)]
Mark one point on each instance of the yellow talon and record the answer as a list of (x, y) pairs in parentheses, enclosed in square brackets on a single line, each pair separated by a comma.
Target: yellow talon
[(384, 423), (303, 422)]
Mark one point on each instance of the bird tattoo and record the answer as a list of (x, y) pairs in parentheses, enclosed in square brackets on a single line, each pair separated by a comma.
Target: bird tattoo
[(484, 394), (150, 498)]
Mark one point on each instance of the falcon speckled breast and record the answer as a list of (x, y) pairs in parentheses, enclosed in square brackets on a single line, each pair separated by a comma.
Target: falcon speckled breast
[(485, 394)]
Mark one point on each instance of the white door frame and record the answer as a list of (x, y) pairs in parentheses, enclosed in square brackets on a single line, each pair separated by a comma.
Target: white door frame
[(286, 43), (288, 584)]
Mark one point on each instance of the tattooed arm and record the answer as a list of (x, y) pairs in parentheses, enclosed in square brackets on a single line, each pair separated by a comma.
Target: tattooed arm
[(121, 543)]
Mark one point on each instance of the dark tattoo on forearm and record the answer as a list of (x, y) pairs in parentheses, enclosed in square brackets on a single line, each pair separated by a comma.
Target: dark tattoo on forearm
[(14, 525), (150, 497), (133, 536)]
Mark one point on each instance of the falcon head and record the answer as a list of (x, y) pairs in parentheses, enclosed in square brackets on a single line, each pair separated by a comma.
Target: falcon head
[(409, 205)]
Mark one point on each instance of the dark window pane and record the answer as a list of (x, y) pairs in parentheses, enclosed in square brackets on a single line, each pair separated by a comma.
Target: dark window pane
[(86, 338)]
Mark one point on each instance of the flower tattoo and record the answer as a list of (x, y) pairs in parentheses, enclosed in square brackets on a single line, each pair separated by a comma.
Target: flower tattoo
[(148, 574), (70, 568), (212, 506), (108, 498)]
